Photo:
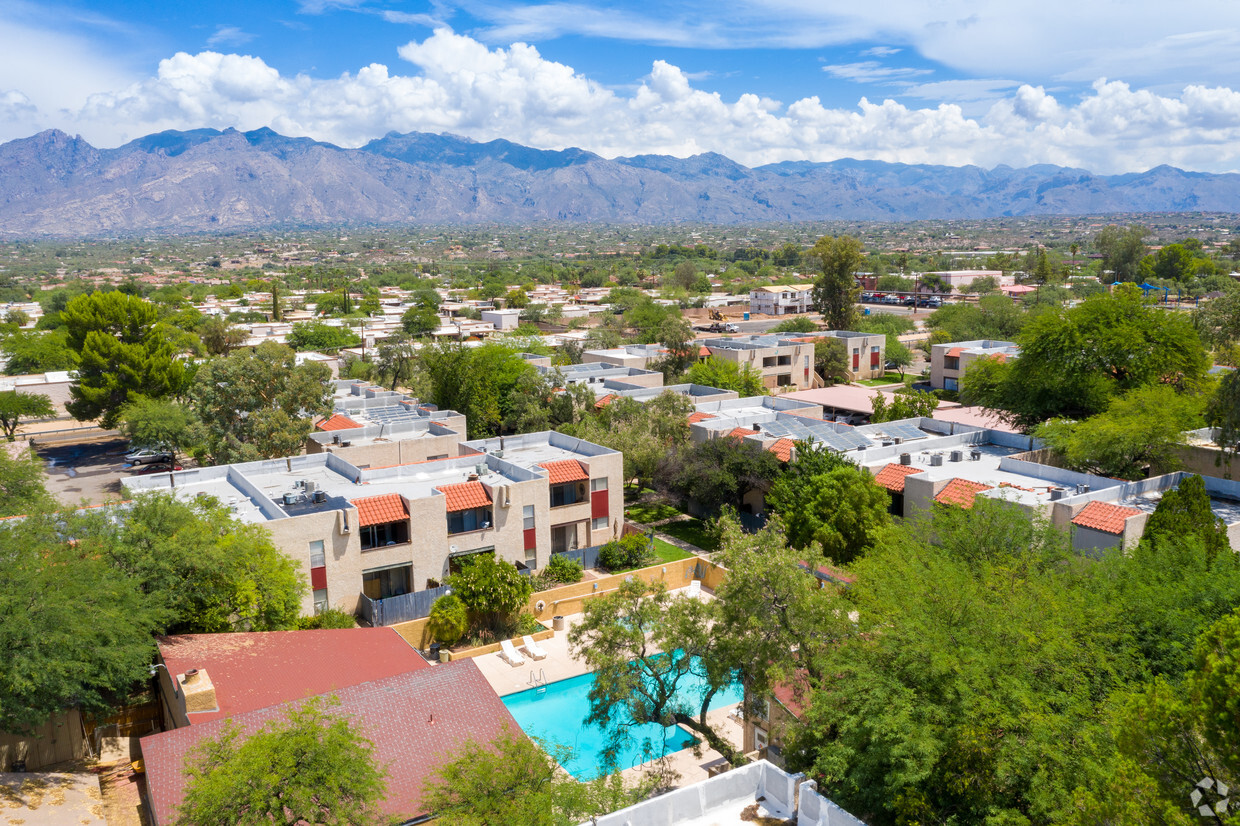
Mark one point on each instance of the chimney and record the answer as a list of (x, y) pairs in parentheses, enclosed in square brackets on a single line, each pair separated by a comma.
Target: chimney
[(197, 690)]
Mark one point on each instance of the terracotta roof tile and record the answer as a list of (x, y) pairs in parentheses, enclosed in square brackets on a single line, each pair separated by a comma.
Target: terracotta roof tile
[(1105, 517), (465, 496), (568, 470), (960, 492), (694, 418), (741, 432), (606, 400), (380, 510), (337, 422), (782, 449), (704, 351), (892, 476), (414, 719), (955, 352)]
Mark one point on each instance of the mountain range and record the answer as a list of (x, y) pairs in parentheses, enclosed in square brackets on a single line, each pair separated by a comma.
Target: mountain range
[(208, 180)]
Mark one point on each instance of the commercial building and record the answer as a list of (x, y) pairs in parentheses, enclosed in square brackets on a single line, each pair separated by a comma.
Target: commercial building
[(786, 300), (384, 531), (950, 362), (787, 361)]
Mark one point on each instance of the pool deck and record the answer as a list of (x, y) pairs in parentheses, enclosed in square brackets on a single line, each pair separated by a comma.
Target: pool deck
[(560, 665)]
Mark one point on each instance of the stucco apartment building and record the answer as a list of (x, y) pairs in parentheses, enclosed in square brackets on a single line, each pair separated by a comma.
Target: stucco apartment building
[(788, 360), (949, 362), (785, 300), (390, 530)]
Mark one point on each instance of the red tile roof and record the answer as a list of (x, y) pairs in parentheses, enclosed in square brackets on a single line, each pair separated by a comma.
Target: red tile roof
[(380, 510), (955, 352), (1103, 516), (606, 400), (794, 695), (704, 351), (892, 476), (465, 496), (568, 470), (337, 422), (741, 432), (783, 449), (699, 416), (262, 668), (417, 720), (960, 492)]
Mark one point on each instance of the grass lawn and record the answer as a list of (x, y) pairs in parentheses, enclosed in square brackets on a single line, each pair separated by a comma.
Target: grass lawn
[(631, 491), (650, 512), (890, 378), (668, 553), (693, 532)]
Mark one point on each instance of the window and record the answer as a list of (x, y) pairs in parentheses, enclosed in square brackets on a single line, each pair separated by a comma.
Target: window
[(317, 558), (562, 495), (784, 361), (598, 484), (474, 519), (783, 380), (389, 533), (320, 600), (762, 708), (599, 524), (387, 582), (527, 517), (768, 361), (759, 738), (951, 363), (531, 557)]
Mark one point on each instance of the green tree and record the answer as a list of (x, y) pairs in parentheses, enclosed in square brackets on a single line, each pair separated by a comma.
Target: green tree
[(620, 639), (836, 291), (420, 320), (904, 404), (644, 433), (161, 423), (510, 781), (1186, 512), (74, 631), (1125, 440), (843, 510), (258, 404), (312, 766), (480, 382), (123, 354), (1074, 361), (315, 335), (22, 487), (220, 337), (719, 472), (492, 589), (1122, 250), (1218, 320), (898, 354), (994, 316), (831, 360), (676, 335), (727, 375), (37, 352), (1223, 413), (205, 570), (15, 406), (448, 620), (798, 324)]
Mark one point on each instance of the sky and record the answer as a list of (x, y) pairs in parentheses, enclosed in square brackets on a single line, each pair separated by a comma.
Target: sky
[(1111, 86)]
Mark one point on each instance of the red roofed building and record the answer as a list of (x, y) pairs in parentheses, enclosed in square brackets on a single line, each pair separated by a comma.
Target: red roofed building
[(605, 401), (741, 432), (960, 492), (417, 720), (338, 421), (465, 496), (559, 473), (699, 416), (263, 668), (892, 476), (949, 362), (1101, 525), (783, 449)]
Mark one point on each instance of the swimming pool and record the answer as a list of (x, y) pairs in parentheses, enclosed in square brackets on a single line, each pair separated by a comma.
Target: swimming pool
[(557, 713)]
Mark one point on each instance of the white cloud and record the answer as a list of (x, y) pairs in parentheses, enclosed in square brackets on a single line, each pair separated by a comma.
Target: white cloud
[(454, 83), (880, 51), (871, 71), (229, 36)]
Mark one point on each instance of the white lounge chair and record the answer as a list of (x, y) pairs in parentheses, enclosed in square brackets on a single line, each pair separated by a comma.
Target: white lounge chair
[(532, 648), (509, 654), (695, 589)]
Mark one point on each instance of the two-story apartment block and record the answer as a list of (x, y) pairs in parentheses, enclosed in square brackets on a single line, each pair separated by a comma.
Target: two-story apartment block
[(788, 360), (786, 300), (386, 531), (949, 362)]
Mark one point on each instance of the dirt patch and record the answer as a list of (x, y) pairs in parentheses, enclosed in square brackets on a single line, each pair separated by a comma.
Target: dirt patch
[(123, 790), (750, 814)]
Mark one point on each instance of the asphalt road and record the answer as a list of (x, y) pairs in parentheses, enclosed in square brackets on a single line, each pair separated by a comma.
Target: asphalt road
[(85, 472)]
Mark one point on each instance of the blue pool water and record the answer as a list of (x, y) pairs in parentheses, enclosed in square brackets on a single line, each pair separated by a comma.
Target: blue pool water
[(557, 715)]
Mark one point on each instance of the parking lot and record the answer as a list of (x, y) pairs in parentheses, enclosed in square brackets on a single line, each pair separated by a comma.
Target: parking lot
[(85, 472)]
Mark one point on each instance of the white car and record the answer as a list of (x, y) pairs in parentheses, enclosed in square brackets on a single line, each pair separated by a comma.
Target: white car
[(148, 455)]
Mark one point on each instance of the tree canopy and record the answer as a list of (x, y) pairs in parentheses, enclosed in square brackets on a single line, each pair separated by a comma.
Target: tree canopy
[(840, 509), (836, 291), (312, 766), (479, 382), (15, 406), (727, 375)]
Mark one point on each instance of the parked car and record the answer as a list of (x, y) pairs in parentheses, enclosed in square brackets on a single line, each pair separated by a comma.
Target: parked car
[(160, 467), (731, 328), (147, 456)]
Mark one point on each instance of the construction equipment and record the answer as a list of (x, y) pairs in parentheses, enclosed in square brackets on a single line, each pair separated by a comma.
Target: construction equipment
[(715, 315)]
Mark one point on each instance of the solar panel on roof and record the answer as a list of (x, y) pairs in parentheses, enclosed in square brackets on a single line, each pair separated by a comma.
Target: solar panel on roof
[(902, 430)]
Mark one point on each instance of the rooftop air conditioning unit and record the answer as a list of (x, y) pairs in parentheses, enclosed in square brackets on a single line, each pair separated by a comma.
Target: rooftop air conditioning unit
[(1082, 489), (906, 459), (896, 440), (309, 486), (1057, 494), (936, 460), (957, 456), (320, 496), (975, 454)]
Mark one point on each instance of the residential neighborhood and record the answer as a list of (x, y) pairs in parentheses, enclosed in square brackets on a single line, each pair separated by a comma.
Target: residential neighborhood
[(453, 542)]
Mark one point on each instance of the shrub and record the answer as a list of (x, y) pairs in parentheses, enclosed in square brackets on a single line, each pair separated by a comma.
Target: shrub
[(629, 551), (448, 620), (562, 569), (491, 589), (329, 618)]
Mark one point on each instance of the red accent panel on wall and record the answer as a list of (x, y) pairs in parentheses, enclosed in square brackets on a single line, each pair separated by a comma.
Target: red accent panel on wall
[(598, 504), (874, 359), (531, 538), (318, 579)]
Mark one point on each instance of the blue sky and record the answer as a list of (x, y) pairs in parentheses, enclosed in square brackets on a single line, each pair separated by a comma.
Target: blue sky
[(1108, 86)]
